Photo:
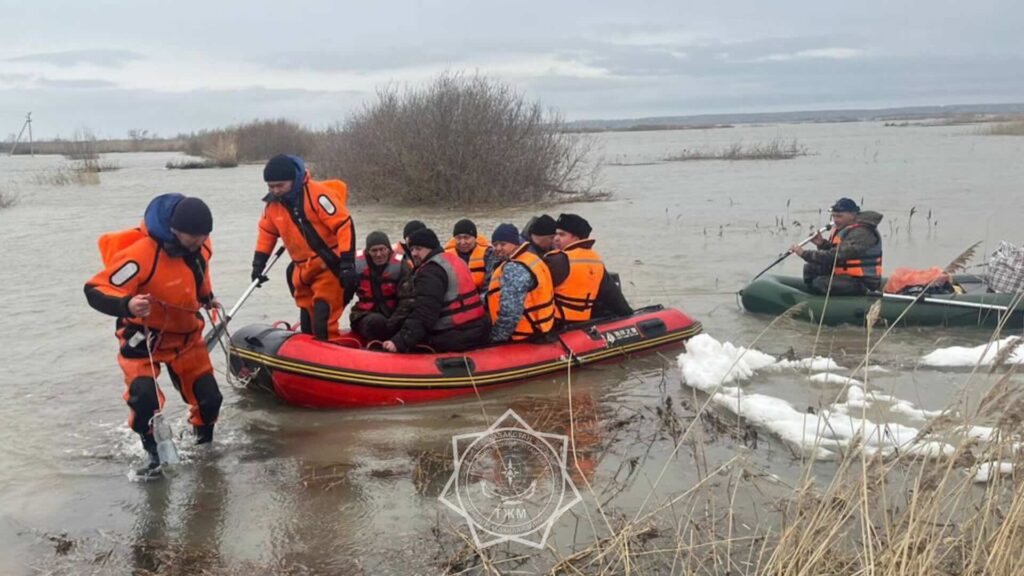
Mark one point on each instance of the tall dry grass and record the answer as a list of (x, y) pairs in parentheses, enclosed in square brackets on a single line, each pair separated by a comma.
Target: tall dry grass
[(905, 511), (1005, 129)]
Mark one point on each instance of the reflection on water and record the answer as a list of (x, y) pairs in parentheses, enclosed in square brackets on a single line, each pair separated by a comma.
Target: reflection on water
[(293, 490)]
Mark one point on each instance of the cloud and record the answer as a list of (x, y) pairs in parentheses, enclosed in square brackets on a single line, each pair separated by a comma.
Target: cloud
[(835, 53), (82, 84), (70, 58)]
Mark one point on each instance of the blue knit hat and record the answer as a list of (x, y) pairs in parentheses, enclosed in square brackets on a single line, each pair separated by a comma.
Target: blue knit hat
[(845, 205), (506, 233)]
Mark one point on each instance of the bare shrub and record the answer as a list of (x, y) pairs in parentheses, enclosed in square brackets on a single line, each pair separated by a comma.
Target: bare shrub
[(83, 146), (7, 199), (463, 139), (775, 149), (252, 142), (68, 175)]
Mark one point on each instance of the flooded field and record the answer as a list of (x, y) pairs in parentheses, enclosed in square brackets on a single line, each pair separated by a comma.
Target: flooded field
[(287, 490)]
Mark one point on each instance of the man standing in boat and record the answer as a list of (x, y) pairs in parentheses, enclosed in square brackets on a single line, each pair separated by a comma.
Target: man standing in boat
[(380, 270), (448, 315), (311, 218), (520, 296), (155, 280), (851, 259), (583, 287)]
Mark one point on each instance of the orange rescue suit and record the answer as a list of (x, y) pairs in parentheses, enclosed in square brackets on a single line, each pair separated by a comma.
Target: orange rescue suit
[(317, 238), (538, 307), (575, 296), (179, 286)]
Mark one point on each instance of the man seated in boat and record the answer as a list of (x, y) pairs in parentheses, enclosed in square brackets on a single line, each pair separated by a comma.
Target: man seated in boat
[(584, 289), (380, 270), (520, 296), (540, 233), (448, 315), (851, 259), (473, 250)]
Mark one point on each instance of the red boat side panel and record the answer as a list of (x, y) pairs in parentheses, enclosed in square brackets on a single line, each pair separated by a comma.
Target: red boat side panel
[(311, 373)]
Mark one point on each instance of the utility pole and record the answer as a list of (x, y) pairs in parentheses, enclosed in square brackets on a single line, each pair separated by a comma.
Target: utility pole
[(31, 145)]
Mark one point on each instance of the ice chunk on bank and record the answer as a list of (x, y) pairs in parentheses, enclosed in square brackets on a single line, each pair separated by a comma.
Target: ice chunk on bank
[(984, 354)]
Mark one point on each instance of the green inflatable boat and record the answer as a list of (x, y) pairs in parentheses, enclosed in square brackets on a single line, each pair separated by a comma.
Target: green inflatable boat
[(776, 294)]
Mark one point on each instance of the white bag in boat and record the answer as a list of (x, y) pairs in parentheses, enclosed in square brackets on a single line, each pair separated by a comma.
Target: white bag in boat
[(1006, 269)]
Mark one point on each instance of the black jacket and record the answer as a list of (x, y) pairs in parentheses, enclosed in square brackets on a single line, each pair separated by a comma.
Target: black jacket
[(429, 283)]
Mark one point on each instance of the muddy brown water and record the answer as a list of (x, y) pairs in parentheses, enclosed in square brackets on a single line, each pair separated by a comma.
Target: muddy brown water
[(288, 489)]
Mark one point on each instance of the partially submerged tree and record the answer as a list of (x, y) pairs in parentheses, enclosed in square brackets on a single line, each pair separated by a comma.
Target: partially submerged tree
[(463, 140)]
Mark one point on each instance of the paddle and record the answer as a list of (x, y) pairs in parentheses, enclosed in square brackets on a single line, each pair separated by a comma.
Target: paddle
[(217, 331), (944, 302), (786, 254)]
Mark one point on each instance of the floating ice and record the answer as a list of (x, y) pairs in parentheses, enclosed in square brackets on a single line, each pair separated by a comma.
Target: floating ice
[(986, 470), (708, 365), (984, 354), (830, 378)]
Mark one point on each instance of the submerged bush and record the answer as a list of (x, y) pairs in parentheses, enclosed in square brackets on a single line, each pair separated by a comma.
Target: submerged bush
[(465, 140), (252, 142), (775, 149), (7, 199)]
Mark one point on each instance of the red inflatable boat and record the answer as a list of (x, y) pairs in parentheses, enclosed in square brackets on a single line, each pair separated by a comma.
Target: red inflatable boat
[(306, 372)]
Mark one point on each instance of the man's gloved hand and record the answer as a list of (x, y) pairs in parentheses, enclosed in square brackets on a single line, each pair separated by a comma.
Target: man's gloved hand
[(349, 279), (259, 263)]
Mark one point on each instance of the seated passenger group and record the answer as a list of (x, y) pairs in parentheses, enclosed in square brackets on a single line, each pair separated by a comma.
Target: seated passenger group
[(416, 293), (474, 291)]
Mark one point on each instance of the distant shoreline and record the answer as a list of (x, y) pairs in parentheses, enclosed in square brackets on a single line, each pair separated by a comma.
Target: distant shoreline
[(964, 114), (927, 116)]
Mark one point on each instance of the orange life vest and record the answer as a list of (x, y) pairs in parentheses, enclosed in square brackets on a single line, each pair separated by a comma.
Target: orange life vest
[(575, 297), (476, 261), (867, 266), (387, 299), (461, 302), (538, 307), (317, 228)]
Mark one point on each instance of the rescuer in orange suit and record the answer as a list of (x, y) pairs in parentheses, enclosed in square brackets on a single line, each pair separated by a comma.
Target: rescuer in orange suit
[(155, 279), (311, 219)]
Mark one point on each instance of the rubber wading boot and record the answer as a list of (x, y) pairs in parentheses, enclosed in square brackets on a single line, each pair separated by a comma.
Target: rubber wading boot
[(204, 434), (152, 470)]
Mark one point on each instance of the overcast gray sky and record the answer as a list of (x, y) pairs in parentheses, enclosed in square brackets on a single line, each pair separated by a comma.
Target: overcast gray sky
[(172, 67)]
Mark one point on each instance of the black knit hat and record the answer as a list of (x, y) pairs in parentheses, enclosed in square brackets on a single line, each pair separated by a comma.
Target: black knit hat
[(280, 168), (573, 224), (376, 238), (192, 216), (412, 226), (506, 233), (544, 225), (424, 237), (464, 226)]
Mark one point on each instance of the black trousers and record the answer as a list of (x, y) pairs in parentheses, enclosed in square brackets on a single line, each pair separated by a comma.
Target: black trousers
[(375, 326)]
